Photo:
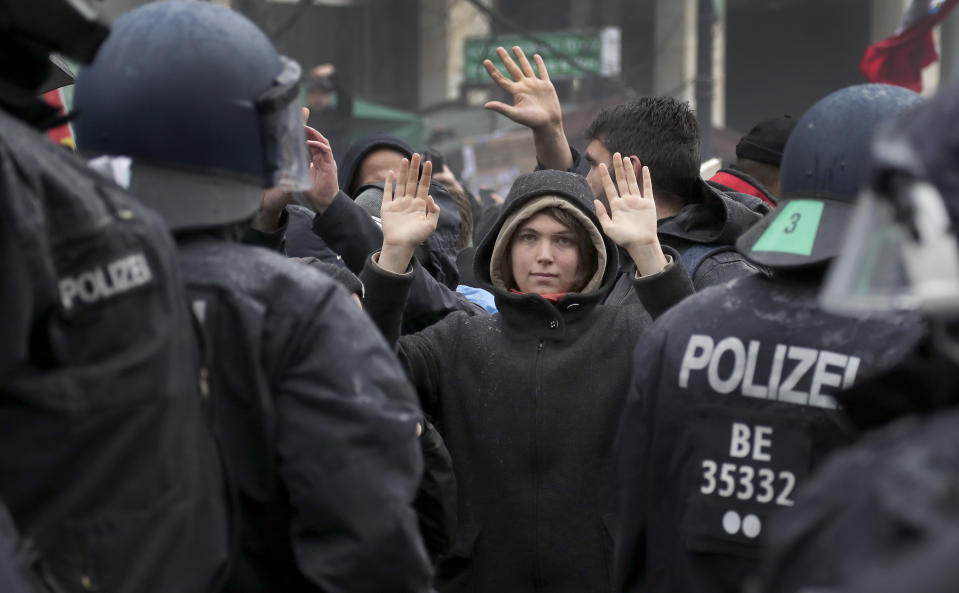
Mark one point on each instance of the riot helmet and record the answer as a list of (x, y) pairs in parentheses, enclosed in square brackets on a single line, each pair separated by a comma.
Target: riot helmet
[(208, 111), (824, 164), (901, 251), (72, 28), (29, 32)]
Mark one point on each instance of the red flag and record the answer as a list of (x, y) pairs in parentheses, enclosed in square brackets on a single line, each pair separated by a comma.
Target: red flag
[(899, 59)]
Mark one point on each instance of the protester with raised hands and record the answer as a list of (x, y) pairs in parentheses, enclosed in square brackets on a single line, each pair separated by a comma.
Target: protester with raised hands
[(528, 399), (696, 219)]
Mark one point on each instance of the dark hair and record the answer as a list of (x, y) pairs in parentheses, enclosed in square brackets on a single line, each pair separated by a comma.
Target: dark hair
[(661, 131), (584, 246)]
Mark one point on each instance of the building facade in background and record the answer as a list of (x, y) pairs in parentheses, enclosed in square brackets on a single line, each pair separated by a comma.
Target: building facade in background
[(768, 57)]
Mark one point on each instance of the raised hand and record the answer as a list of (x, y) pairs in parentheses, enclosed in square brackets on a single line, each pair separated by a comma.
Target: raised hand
[(631, 220), (322, 170), (535, 103), (409, 215), (273, 201)]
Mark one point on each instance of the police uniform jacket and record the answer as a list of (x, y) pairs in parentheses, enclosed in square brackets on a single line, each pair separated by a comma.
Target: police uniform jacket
[(733, 403), (107, 460), (527, 400), (881, 515), (317, 423)]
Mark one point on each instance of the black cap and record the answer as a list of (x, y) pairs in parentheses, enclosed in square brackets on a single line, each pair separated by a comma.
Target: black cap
[(766, 141)]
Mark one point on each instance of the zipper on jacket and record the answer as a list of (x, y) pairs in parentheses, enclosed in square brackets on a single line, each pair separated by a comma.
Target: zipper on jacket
[(537, 377), (204, 383)]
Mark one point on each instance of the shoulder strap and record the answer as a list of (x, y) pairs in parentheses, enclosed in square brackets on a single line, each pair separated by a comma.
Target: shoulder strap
[(697, 253)]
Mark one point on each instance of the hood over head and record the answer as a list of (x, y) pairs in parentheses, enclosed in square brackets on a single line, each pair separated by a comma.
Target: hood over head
[(713, 217), (350, 163), (530, 194)]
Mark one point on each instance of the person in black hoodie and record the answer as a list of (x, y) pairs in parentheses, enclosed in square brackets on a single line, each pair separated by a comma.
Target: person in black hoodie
[(698, 220), (528, 399), (341, 227)]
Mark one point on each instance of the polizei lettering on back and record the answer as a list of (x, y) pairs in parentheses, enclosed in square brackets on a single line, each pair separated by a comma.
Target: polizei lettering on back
[(112, 279), (791, 367)]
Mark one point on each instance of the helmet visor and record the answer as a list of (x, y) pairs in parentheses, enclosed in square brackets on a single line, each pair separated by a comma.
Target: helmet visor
[(281, 122), (891, 261)]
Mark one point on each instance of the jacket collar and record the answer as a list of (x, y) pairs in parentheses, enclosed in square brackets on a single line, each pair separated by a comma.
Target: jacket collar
[(531, 316), (712, 217), (743, 183)]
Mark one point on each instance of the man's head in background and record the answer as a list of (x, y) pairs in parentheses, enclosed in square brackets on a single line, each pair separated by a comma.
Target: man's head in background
[(368, 160), (661, 131), (760, 152)]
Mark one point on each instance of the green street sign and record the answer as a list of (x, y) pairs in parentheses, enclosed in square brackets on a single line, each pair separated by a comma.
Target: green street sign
[(572, 54)]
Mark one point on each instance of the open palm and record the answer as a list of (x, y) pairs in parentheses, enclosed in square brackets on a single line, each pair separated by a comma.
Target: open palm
[(409, 215), (535, 103), (631, 220)]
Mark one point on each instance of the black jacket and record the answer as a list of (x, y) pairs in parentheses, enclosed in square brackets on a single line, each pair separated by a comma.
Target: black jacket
[(301, 241), (527, 401), (107, 461), (21, 569), (714, 220), (882, 514), (704, 233), (317, 423), (706, 456), (879, 516)]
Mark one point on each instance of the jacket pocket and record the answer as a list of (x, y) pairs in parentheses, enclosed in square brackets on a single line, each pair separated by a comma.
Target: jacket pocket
[(455, 569)]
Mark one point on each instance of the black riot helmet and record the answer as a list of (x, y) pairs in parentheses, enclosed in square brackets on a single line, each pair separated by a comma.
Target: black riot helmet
[(72, 28), (823, 166), (30, 31), (208, 111), (901, 251)]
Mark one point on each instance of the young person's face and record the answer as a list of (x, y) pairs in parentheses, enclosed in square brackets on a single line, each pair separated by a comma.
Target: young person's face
[(376, 165), (544, 255)]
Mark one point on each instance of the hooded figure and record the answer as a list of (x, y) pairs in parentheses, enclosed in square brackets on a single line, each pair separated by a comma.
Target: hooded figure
[(528, 399), (361, 173)]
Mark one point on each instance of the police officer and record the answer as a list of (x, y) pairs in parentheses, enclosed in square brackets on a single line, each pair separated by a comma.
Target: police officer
[(318, 423), (107, 462), (883, 515), (734, 389)]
